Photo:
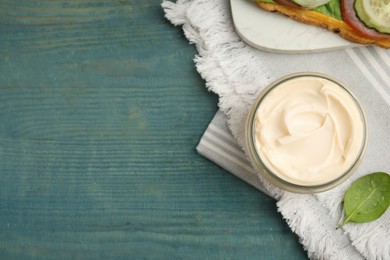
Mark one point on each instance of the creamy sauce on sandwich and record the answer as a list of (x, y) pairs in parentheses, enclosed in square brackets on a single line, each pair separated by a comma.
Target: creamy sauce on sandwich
[(309, 131)]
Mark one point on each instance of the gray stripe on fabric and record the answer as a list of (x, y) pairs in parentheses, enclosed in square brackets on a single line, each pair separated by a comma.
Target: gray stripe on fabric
[(218, 128), (383, 60), (379, 72), (229, 164), (225, 147), (219, 146), (356, 57)]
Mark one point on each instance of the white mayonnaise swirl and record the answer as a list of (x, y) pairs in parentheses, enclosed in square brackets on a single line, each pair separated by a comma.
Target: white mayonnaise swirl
[(309, 131)]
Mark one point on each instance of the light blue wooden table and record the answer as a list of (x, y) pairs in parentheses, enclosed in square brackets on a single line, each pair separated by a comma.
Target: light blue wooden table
[(101, 111)]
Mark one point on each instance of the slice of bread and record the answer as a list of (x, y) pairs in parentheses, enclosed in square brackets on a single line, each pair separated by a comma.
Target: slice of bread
[(326, 22)]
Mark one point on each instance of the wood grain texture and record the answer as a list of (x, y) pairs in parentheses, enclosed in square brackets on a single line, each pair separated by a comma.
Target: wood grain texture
[(101, 111)]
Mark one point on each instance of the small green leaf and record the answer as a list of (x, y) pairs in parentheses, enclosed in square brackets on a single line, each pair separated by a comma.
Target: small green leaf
[(367, 198)]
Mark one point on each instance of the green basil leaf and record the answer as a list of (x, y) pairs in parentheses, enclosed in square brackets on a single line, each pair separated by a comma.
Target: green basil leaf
[(367, 198)]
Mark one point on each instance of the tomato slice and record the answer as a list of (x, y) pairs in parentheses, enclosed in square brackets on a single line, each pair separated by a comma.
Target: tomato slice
[(289, 4), (350, 17)]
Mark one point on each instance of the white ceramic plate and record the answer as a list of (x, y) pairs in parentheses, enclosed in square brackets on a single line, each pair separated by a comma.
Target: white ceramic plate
[(277, 33)]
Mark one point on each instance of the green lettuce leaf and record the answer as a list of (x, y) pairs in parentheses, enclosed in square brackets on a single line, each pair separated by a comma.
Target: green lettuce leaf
[(331, 9)]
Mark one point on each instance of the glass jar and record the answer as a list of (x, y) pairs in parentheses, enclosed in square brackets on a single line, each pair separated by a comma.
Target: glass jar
[(286, 142)]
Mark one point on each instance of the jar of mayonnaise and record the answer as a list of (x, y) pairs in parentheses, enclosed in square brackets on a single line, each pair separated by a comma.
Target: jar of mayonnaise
[(306, 133)]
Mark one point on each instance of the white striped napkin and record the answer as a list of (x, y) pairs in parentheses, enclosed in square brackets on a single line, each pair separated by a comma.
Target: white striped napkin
[(237, 73)]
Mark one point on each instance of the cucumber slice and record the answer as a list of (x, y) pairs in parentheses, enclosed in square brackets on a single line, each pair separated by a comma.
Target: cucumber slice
[(374, 14), (311, 3)]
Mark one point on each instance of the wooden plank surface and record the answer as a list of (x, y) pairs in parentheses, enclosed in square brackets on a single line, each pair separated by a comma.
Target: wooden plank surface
[(101, 111)]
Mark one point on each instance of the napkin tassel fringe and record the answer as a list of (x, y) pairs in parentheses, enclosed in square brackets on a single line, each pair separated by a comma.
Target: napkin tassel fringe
[(306, 225)]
